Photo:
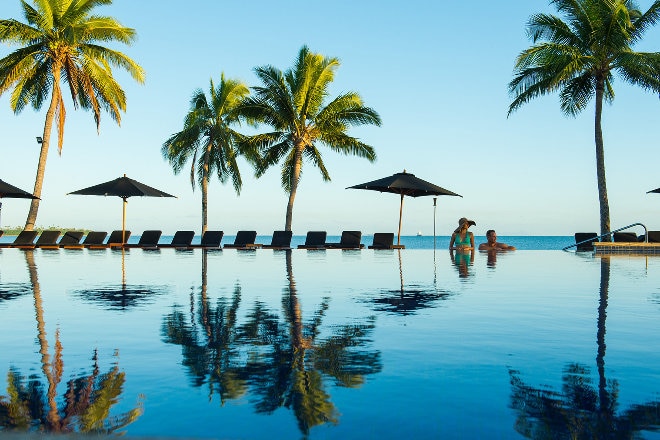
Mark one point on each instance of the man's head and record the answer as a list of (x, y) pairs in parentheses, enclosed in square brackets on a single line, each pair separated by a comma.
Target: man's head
[(491, 236)]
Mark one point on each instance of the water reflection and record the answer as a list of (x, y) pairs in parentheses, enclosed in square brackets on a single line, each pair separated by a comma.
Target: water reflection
[(462, 260), (407, 300), (281, 361), (121, 296), (9, 291), (581, 410), (84, 407)]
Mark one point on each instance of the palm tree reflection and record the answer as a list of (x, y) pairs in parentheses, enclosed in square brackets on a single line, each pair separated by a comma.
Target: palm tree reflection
[(87, 400), (581, 410), (281, 362)]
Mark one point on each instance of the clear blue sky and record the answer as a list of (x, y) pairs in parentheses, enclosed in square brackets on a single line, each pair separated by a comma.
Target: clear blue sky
[(436, 72)]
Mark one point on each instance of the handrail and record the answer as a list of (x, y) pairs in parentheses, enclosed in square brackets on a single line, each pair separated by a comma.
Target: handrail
[(646, 235)]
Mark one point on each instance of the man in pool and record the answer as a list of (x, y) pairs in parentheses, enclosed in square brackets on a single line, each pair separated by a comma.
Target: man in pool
[(493, 245)]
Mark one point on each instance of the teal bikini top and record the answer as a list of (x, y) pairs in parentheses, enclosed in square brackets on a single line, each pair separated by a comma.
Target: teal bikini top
[(465, 242)]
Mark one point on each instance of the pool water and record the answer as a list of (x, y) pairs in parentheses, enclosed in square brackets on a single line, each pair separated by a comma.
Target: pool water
[(330, 344)]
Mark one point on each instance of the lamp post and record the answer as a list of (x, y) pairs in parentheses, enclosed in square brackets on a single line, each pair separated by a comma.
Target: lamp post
[(435, 199)]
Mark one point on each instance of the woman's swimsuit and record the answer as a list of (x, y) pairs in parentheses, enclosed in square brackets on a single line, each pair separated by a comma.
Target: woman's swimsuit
[(464, 242)]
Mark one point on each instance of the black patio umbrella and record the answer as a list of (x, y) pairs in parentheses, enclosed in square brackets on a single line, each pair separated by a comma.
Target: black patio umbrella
[(122, 187), (12, 192), (405, 184), (657, 190)]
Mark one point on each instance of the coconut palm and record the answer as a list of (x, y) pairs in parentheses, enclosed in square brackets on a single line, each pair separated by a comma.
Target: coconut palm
[(59, 45), (208, 139), (579, 57), (292, 103)]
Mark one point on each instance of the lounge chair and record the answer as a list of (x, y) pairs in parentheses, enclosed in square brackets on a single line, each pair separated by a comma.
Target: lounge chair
[(210, 240), (654, 236), (588, 246), (70, 238), (181, 240), (624, 237), (22, 239), (244, 240), (113, 241), (385, 240), (349, 240), (148, 240), (46, 239), (281, 240), (93, 238), (314, 240)]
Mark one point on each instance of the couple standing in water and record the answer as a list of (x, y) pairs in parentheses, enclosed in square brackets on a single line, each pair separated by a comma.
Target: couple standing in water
[(462, 241)]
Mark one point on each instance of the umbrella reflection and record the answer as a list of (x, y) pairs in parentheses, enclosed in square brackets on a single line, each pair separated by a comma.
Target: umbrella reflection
[(581, 410), (276, 361), (9, 291), (407, 300), (122, 296), (88, 399)]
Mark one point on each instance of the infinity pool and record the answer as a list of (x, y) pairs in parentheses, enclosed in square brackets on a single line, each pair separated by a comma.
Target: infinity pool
[(330, 344)]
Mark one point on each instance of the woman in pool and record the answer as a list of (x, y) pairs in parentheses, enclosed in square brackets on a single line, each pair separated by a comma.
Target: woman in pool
[(462, 239)]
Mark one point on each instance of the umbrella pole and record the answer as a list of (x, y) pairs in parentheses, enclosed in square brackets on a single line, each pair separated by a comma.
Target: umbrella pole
[(123, 222), (398, 237)]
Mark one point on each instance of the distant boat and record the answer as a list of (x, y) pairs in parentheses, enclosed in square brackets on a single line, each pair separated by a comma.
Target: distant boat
[(419, 233)]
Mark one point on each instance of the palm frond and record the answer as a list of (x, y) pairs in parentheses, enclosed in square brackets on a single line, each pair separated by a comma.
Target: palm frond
[(577, 93), (348, 145), (312, 154), (645, 21), (287, 173), (273, 154), (641, 69)]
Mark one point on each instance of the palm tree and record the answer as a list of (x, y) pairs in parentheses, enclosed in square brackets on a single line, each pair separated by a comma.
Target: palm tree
[(59, 44), (207, 138), (578, 57), (292, 103)]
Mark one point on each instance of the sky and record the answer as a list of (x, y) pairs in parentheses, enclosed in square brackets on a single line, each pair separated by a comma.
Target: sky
[(436, 72)]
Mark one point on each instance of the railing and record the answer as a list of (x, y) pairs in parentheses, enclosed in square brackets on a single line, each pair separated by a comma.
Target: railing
[(646, 235)]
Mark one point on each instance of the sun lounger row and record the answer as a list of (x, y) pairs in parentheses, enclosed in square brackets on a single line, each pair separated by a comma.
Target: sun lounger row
[(585, 240), (349, 240), (183, 240)]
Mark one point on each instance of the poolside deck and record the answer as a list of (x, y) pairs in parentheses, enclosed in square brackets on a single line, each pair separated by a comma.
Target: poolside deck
[(626, 248)]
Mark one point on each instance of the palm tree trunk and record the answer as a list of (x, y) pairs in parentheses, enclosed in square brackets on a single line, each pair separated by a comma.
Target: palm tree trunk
[(205, 187), (43, 155), (600, 160), (294, 187)]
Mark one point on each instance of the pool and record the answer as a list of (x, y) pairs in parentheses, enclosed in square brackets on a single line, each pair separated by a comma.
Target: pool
[(330, 344)]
